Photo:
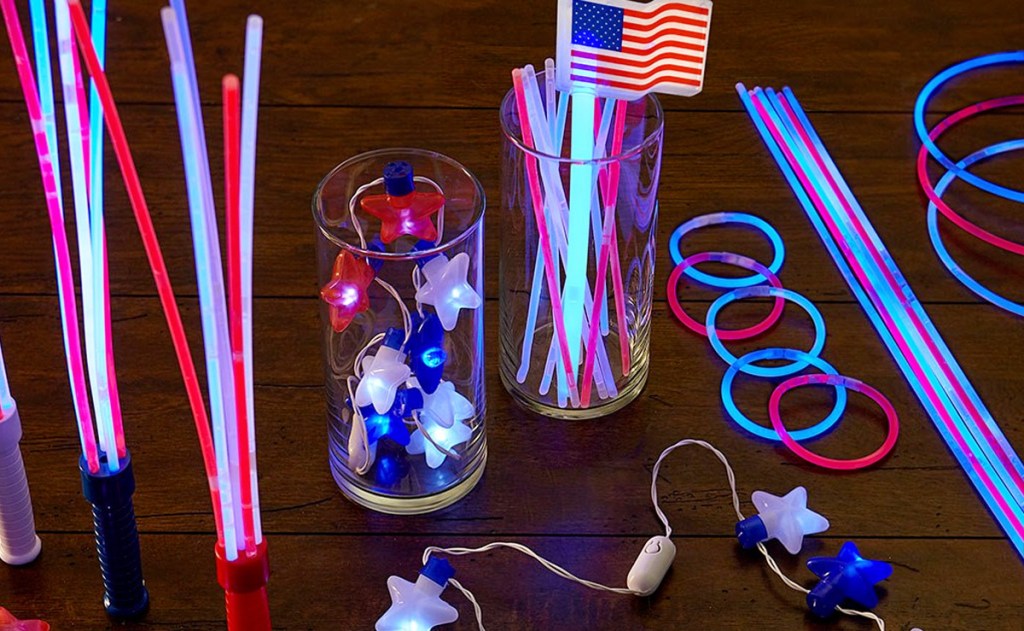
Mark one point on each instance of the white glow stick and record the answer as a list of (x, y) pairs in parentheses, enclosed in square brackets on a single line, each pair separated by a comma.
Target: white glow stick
[(213, 312)]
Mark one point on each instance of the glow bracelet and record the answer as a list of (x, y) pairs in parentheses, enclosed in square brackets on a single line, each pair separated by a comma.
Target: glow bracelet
[(718, 219)]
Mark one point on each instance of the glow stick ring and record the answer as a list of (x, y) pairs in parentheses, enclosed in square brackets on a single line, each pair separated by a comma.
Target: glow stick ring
[(717, 219), (839, 381), (730, 259), (764, 291), (940, 248), (929, 145), (759, 430)]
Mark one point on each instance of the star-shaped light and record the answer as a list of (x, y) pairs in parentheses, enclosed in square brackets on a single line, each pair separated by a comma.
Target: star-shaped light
[(346, 293), (418, 606), (426, 352), (445, 406), (391, 424), (9, 623), (446, 288), (848, 576), (784, 518), (383, 373), (402, 209), (446, 437)]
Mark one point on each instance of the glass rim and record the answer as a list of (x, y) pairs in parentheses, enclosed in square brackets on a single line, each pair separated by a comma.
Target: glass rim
[(627, 152), (473, 226)]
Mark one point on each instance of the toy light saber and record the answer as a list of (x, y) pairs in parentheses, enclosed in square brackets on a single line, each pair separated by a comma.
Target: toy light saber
[(19, 543)]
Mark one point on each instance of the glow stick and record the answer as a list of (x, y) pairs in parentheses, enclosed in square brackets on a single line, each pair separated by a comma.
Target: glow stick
[(62, 258), (161, 278), (6, 402), (595, 203), (97, 231), (246, 196), (542, 229), (549, 97), (77, 144), (928, 342), (580, 186), (215, 268), (218, 390), (980, 471)]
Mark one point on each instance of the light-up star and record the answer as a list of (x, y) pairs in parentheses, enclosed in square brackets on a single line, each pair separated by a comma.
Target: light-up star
[(418, 606), (426, 351), (846, 576), (9, 623), (402, 209), (784, 518), (383, 373), (446, 288), (446, 437), (445, 406), (346, 293)]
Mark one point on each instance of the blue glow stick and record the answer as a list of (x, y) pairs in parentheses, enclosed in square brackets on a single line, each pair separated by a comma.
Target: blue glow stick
[(79, 179), (215, 359), (560, 119), (949, 372), (581, 181), (978, 470), (246, 194), (216, 267)]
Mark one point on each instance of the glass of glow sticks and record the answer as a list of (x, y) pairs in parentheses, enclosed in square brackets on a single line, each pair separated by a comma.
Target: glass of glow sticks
[(400, 267), (608, 356)]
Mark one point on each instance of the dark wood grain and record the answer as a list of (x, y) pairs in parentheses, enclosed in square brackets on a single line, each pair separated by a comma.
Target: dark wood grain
[(345, 77)]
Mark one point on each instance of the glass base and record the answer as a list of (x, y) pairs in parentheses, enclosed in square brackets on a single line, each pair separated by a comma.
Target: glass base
[(597, 409), (410, 505)]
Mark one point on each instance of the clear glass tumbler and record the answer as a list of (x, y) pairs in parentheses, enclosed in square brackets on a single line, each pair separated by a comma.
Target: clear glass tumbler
[(400, 267), (619, 217)]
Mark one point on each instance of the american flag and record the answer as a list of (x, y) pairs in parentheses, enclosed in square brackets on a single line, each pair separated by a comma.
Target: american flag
[(626, 49)]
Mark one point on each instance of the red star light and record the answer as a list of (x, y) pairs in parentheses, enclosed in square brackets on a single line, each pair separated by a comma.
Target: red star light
[(402, 210), (346, 293)]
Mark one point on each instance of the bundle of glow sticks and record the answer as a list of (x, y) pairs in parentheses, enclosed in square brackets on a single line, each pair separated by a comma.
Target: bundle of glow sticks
[(954, 406), (107, 478)]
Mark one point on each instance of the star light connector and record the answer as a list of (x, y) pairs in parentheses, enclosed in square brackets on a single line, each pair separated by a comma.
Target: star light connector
[(383, 374), (426, 352), (847, 576), (402, 210), (446, 289), (347, 292), (785, 518), (418, 606)]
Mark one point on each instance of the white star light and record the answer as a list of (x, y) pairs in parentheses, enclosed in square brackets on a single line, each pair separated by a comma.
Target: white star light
[(415, 606), (382, 374), (446, 437), (446, 288), (787, 518), (445, 406)]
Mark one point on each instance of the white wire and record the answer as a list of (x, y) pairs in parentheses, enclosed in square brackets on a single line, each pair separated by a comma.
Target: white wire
[(563, 573)]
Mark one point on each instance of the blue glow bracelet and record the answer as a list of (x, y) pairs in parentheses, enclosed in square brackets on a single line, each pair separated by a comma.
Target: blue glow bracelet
[(714, 219), (921, 104), (793, 355), (764, 292)]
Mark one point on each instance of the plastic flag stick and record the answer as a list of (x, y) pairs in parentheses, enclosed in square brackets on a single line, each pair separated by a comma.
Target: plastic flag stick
[(246, 196), (979, 470), (926, 340), (580, 186), (62, 257), (542, 229), (214, 271), (161, 277), (218, 389)]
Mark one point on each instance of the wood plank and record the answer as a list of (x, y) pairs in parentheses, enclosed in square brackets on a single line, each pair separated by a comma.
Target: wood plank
[(585, 478), (869, 56), (714, 585), (712, 162)]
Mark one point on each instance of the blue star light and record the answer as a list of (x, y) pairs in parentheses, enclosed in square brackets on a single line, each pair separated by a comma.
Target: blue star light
[(426, 352), (848, 576), (784, 518), (390, 424), (418, 606)]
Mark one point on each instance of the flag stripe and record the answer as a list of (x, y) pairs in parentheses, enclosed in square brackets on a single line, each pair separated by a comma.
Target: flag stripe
[(631, 74), (632, 85), (674, 17), (664, 33), (641, 61), (646, 50), (678, 6)]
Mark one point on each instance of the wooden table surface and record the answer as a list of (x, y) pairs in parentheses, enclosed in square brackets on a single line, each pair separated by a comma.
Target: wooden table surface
[(345, 77)]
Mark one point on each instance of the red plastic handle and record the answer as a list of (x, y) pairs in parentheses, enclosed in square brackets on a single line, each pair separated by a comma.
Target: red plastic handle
[(245, 589)]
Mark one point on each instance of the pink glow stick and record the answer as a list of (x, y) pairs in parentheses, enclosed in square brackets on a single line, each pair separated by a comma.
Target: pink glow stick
[(69, 310), (610, 185), (545, 240)]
